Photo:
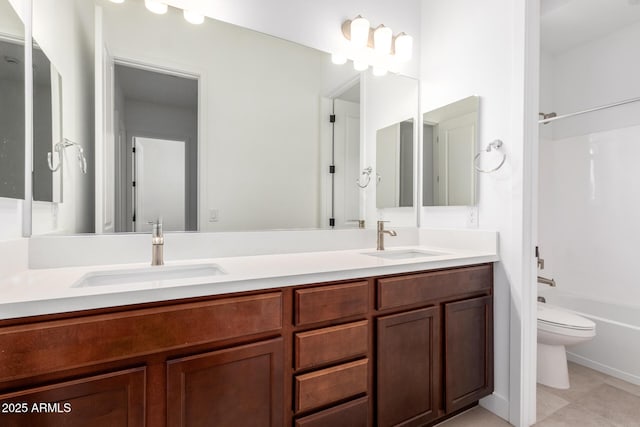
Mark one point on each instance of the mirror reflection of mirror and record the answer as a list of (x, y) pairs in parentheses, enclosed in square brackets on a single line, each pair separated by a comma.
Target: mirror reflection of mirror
[(449, 146), (394, 165), (47, 129), (12, 105)]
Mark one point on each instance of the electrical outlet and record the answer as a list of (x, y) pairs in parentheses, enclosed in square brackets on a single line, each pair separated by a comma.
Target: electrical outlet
[(213, 215)]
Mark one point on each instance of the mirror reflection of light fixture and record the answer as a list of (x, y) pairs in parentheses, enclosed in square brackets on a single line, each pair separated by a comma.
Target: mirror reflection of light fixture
[(193, 17), (156, 6), (382, 37), (379, 71), (360, 65), (338, 58)]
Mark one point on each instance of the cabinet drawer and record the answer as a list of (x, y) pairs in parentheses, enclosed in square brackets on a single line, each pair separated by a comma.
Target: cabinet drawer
[(332, 344), (65, 344), (330, 385), (331, 302), (350, 414), (425, 287)]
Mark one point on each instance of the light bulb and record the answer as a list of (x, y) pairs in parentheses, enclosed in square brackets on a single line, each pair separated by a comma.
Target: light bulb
[(382, 37), (338, 58), (360, 65), (193, 17), (156, 6), (403, 47), (379, 71), (360, 32)]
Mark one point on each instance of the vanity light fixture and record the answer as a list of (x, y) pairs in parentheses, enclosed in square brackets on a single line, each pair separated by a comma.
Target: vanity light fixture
[(156, 6), (358, 30), (193, 17), (382, 37), (403, 47), (373, 47)]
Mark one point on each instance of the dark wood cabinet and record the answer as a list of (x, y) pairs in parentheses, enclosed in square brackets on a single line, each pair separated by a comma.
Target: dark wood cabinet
[(235, 387), (397, 350), (111, 400), (408, 367), (468, 338)]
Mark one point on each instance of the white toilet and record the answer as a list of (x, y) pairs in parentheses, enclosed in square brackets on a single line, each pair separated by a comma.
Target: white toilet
[(558, 328)]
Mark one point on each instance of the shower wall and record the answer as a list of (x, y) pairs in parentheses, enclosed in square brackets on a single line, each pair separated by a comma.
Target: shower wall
[(590, 169)]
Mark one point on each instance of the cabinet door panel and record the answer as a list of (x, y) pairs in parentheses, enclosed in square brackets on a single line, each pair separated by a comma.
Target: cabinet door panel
[(407, 367), (110, 400), (236, 387), (468, 351)]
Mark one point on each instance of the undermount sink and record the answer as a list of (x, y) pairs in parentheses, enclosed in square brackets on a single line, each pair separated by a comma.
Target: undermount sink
[(404, 254), (147, 274)]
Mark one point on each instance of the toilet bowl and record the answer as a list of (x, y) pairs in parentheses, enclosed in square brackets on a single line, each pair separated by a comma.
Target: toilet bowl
[(558, 328)]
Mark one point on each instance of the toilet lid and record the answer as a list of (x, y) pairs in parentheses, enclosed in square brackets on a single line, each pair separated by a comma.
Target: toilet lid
[(557, 316)]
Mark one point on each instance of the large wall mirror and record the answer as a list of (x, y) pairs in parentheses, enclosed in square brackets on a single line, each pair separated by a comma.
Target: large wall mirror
[(449, 145), (12, 105), (212, 127)]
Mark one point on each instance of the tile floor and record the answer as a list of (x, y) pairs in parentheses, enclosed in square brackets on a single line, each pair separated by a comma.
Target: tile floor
[(594, 400)]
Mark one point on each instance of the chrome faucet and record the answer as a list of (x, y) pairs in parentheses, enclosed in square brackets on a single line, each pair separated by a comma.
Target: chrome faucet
[(381, 232), (546, 281), (157, 243)]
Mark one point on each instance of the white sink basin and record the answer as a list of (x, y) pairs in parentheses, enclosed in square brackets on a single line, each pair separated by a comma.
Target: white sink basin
[(148, 274), (404, 254)]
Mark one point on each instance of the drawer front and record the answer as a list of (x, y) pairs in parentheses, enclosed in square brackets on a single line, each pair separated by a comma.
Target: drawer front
[(330, 385), (65, 344), (332, 344), (324, 303), (350, 414), (426, 287)]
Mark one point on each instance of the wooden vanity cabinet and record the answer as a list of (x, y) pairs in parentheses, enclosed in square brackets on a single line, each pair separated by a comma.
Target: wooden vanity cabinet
[(401, 350), (436, 356)]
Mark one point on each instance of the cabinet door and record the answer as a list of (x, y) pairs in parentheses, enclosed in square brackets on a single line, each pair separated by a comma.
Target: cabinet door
[(235, 387), (407, 367), (468, 351), (111, 400)]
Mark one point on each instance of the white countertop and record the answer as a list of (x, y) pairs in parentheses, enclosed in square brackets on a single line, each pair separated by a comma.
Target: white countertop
[(48, 291)]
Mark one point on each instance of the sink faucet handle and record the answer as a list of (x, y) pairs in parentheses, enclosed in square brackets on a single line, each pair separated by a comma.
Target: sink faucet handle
[(156, 227)]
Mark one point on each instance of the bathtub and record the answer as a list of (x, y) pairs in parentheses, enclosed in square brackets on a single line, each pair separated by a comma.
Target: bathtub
[(615, 350)]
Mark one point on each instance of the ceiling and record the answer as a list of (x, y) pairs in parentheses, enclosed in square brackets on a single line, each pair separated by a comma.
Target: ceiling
[(157, 88), (565, 24)]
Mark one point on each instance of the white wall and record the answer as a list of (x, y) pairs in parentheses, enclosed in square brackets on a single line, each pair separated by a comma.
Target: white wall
[(317, 24), (64, 30), (589, 199), (475, 48)]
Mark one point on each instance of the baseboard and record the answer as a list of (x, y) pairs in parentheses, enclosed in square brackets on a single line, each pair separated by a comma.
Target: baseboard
[(580, 360), (497, 404)]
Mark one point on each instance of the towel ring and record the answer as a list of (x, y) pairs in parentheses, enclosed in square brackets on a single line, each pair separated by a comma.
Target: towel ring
[(365, 172), (494, 145), (59, 148)]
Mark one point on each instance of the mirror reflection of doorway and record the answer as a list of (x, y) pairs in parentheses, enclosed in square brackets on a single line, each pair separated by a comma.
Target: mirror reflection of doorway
[(156, 149)]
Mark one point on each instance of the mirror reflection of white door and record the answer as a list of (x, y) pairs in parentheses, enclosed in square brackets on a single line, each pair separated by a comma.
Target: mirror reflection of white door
[(388, 166), (159, 190), (347, 161), (456, 148)]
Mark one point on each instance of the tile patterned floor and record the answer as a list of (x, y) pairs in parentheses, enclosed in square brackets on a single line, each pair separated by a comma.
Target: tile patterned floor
[(594, 400)]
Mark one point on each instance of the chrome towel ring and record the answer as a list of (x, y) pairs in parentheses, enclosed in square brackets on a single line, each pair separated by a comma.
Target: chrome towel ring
[(494, 145)]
